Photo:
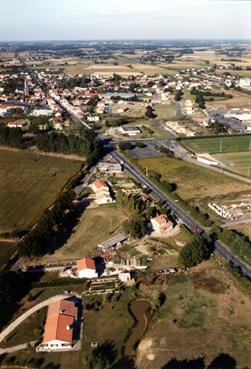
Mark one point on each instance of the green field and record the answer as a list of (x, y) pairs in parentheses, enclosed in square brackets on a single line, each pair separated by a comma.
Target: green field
[(214, 145), (239, 162), (29, 184), (194, 182)]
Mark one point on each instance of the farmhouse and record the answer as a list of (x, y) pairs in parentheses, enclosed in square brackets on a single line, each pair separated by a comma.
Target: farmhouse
[(130, 131), (59, 328), (102, 192), (161, 224), (86, 268)]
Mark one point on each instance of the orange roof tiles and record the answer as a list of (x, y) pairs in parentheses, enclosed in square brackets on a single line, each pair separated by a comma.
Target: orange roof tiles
[(60, 320), (99, 183), (85, 263)]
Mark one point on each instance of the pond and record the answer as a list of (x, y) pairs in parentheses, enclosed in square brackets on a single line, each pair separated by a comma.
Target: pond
[(141, 312)]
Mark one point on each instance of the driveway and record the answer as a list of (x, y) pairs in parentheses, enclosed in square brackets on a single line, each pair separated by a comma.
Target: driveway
[(25, 315)]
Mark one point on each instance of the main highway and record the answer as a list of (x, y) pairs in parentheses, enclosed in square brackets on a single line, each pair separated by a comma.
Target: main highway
[(187, 219)]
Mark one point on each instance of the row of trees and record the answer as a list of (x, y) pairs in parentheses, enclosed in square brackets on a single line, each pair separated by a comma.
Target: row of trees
[(138, 212), (10, 137), (238, 243), (84, 144)]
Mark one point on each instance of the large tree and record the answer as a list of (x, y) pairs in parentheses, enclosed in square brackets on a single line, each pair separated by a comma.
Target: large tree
[(194, 252)]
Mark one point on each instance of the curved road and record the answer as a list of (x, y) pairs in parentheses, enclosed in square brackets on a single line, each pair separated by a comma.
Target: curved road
[(25, 315)]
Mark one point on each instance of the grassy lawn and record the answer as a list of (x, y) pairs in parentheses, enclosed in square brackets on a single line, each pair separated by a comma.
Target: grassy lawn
[(7, 249), (111, 324), (29, 330), (212, 145), (30, 179), (239, 162), (192, 181), (95, 225), (165, 111), (245, 229), (205, 314), (171, 246), (108, 325)]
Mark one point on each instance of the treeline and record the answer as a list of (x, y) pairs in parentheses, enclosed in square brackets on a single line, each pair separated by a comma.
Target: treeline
[(13, 287), (38, 240), (237, 242), (202, 95), (194, 252), (85, 144), (74, 82), (10, 137), (138, 212)]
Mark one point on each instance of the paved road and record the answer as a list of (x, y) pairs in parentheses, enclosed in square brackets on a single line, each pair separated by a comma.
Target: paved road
[(178, 110), (219, 247), (28, 313)]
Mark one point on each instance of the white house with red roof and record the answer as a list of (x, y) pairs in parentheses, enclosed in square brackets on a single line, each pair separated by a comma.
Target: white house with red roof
[(59, 327), (102, 191), (86, 268), (16, 124), (161, 224)]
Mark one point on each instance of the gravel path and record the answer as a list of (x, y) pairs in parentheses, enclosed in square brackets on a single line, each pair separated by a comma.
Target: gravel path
[(25, 315)]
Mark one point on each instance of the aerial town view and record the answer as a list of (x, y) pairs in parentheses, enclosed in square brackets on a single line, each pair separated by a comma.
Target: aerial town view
[(125, 184)]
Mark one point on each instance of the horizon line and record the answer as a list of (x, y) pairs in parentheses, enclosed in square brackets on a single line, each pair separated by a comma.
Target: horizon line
[(128, 39)]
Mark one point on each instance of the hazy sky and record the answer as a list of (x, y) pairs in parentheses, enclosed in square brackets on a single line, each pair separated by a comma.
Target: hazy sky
[(113, 19)]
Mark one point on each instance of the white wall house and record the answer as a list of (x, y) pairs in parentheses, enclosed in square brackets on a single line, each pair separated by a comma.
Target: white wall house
[(161, 224), (102, 191), (59, 327), (86, 268), (130, 131)]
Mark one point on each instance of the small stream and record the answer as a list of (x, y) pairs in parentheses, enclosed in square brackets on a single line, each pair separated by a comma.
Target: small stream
[(141, 312)]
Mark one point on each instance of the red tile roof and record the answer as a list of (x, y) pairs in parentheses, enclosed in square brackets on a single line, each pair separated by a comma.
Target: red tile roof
[(85, 263), (99, 183), (59, 323)]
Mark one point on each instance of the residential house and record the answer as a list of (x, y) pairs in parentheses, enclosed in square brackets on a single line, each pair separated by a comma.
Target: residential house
[(16, 124), (109, 165), (130, 130), (86, 268), (161, 224), (102, 191), (59, 328)]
